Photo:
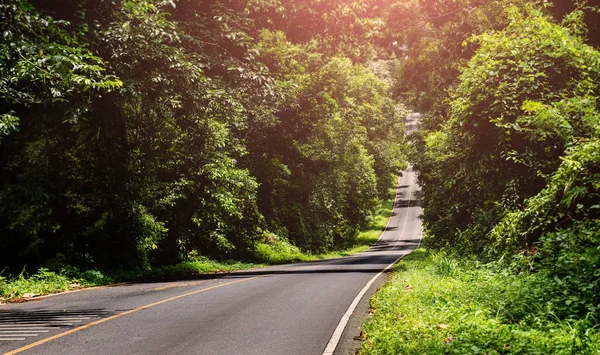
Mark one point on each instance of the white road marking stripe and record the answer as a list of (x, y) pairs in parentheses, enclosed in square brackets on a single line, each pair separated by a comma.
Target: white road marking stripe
[(18, 335), (337, 334), (41, 319), (9, 326), (22, 331), (20, 327), (40, 324)]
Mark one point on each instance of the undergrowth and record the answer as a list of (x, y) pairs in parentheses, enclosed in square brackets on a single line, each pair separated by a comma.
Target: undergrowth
[(45, 281), (272, 251), (278, 251), (435, 303)]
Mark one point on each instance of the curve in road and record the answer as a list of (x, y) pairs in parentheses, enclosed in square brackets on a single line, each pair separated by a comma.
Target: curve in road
[(287, 309)]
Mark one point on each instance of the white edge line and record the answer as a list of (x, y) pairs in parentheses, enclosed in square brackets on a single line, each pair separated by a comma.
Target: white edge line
[(337, 333), (339, 330)]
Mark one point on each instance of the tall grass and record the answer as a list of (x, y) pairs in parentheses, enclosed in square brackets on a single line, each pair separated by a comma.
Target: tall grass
[(437, 304)]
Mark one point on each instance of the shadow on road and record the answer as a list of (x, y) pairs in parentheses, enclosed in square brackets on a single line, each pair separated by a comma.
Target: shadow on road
[(389, 251), (407, 203), (51, 318)]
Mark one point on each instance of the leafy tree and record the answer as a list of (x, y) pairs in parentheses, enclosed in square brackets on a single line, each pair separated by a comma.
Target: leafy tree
[(507, 153), (181, 115), (336, 134), (351, 29), (43, 63), (512, 115), (48, 77), (430, 38), (214, 131)]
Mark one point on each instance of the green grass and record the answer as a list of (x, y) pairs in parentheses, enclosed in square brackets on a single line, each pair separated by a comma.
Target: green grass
[(276, 252), (437, 304), (198, 266), (281, 252), (45, 282)]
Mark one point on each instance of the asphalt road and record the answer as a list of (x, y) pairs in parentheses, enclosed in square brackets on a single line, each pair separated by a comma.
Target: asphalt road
[(287, 309)]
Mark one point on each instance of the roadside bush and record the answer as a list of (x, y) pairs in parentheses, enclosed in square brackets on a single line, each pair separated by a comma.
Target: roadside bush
[(570, 260), (516, 117), (42, 282), (278, 251)]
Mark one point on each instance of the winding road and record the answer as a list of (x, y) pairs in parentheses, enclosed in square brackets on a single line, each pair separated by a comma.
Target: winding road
[(304, 308)]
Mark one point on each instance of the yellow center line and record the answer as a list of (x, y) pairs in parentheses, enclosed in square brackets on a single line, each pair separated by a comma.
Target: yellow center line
[(88, 325), (406, 216)]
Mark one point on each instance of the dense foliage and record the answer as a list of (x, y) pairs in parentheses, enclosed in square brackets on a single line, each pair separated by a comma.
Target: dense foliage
[(137, 133), (508, 154), (511, 118)]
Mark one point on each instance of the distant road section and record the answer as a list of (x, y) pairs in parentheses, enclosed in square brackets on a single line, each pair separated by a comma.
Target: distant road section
[(289, 309)]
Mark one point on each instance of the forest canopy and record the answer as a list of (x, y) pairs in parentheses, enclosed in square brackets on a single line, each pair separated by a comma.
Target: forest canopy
[(136, 133)]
